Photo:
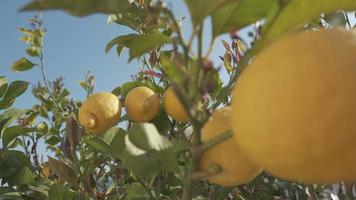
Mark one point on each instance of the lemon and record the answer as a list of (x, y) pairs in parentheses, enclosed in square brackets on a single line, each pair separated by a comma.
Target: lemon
[(99, 112), (294, 110), (236, 167), (142, 104), (173, 107)]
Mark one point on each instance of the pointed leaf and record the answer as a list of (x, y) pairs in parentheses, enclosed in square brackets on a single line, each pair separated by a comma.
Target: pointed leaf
[(22, 65), (145, 136), (298, 12), (15, 89), (22, 177), (240, 14), (121, 41), (12, 132), (83, 7), (227, 62), (60, 192), (145, 43), (3, 85), (199, 9)]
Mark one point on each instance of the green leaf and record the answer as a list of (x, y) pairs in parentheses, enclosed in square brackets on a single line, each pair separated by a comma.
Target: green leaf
[(136, 191), (239, 14), (297, 12), (170, 66), (60, 192), (22, 177), (142, 164), (111, 143), (199, 9), (83, 7), (7, 117), (53, 140), (146, 137), (3, 85), (162, 122), (22, 65), (147, 151), (12, 162), (99, 144), (144, 43), (12, 132), (5, 190), (14, 90), (62, 170), (121, 41), (115, 138)]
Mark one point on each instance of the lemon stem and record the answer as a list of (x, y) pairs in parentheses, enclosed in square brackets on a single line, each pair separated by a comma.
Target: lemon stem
[(211, 143)]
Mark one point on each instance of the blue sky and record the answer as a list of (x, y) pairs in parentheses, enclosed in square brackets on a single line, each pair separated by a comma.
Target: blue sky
[(72, 46)]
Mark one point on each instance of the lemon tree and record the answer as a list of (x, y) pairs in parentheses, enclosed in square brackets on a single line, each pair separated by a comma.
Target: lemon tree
[(179, 129)]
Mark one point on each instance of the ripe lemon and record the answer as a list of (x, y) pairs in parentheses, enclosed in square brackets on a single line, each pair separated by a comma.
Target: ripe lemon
[(100, 112), (142, 104), (236, 167), (173, 106), (294, 110)]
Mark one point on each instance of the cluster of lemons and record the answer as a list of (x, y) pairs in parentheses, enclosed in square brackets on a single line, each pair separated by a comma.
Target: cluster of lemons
[(102, 110), (293, 113)]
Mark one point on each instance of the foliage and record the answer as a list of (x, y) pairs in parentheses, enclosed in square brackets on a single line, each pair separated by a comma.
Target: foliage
[(156, 160)]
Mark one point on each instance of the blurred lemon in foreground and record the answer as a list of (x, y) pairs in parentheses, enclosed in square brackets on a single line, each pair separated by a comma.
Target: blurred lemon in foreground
[(236, 167), (100, 112), (142, 104), (294, 110), (173, 107)]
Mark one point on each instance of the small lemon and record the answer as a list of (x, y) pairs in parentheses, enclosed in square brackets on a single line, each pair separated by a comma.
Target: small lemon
[(142, 104), (100, 112), (236, 167), (173, 106), (294, 110)]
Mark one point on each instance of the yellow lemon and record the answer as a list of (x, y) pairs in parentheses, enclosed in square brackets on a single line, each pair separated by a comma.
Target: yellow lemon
[(236, 167), (142, 104), (173, 107), (294, 110), (99, 112)]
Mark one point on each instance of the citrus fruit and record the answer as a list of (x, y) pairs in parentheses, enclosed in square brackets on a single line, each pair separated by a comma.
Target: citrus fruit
[(99, 112), (142, 104), (173, 107), (294, 110), (236, 167)]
